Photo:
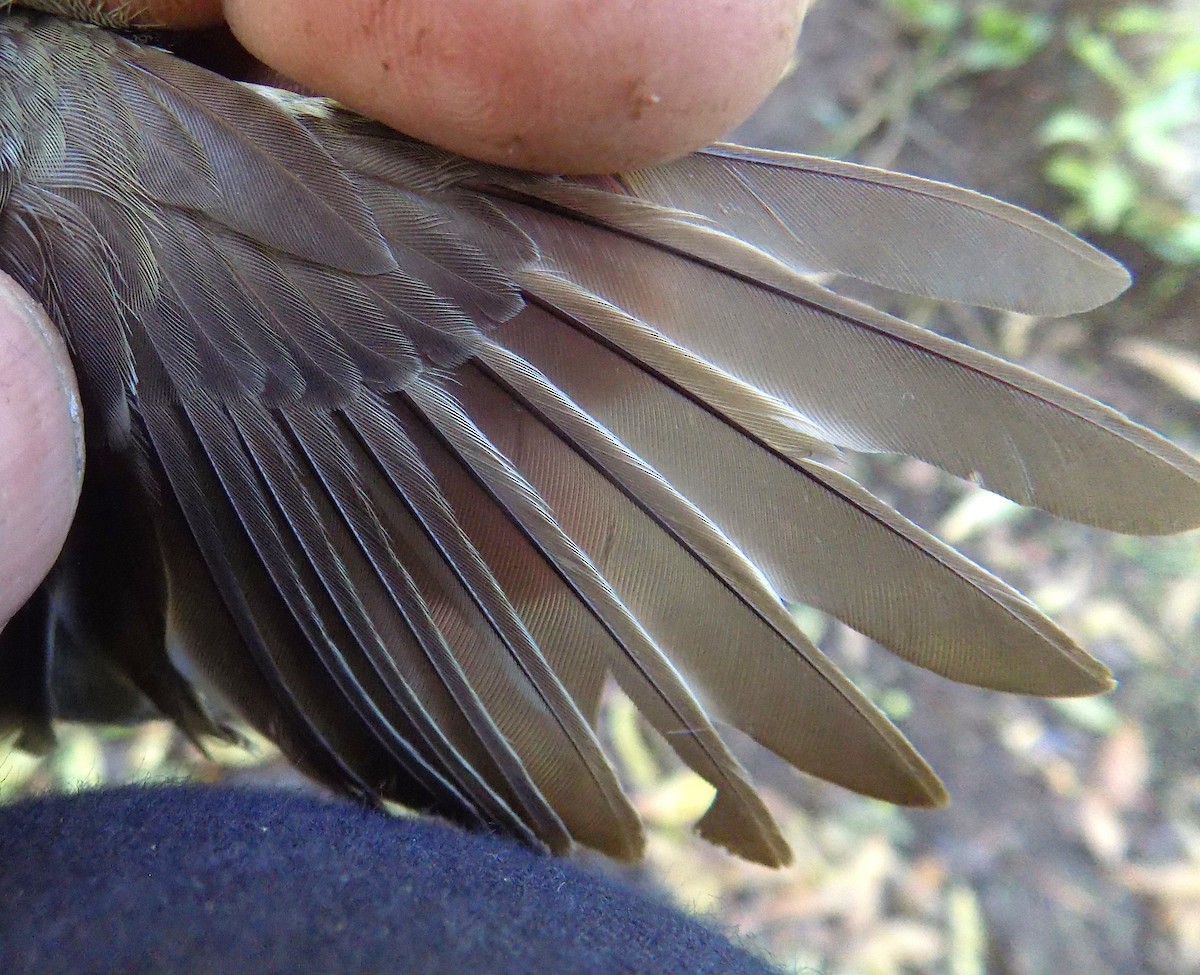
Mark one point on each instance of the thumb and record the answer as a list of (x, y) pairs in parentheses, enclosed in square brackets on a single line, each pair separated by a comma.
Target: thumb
[(41, 446)]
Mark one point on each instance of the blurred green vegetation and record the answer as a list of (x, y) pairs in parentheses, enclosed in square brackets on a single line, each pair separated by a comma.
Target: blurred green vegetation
[(1127, 154), (1135, 170)]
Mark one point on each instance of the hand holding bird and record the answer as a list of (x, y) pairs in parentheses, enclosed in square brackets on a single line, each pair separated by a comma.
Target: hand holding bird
[(41, 468)]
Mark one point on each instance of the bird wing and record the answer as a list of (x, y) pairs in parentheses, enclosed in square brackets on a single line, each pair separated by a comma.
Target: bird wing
[(433, 449)]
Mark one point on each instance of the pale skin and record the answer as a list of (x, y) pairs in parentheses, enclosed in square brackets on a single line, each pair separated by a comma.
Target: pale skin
[(553, 85)]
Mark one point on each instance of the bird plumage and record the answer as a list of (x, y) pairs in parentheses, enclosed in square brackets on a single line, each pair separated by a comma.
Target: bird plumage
[(403, 456)]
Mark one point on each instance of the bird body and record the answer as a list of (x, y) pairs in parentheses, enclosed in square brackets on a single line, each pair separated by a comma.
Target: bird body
[(402, 457)]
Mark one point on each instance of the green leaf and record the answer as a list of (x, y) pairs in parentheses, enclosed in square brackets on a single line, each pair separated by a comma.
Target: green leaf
[(1005, 38), (1100, 54), (932, 16), (1181, 244), (1072, 125), (1136, 20), (1110, 196), (1070, 171)]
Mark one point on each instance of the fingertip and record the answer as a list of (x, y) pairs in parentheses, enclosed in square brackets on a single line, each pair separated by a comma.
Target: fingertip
[(536, 84), (41, 445)]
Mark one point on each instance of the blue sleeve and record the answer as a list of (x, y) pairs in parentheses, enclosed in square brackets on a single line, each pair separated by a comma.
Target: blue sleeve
[(187, 879)]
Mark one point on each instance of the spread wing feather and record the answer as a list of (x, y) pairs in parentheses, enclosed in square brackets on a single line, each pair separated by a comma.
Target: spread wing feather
[(868, 381), (901, 232)]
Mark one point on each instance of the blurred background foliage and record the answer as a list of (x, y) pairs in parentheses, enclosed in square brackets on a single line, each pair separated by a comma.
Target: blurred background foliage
[(1073, 842)]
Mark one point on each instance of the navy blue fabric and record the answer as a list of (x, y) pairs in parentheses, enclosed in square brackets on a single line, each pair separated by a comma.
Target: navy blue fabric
[(187, 879)]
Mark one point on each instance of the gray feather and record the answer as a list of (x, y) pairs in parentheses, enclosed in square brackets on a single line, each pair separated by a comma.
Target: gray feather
[(409, 456)]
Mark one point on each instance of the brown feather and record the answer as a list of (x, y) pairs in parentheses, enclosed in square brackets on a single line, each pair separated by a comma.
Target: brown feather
[(403, 457)]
